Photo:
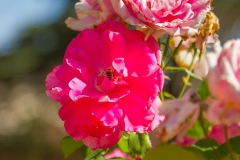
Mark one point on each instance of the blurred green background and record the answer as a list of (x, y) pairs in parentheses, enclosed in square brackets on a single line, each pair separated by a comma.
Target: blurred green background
[(33, 38)]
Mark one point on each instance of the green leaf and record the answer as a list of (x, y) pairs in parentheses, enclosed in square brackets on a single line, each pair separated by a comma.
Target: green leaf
[(196, 130), (68, 146), (223, 150), (94, 155), (168, 95), (204, 144), (203, 90), (182, 69), (209, 154), (139, 144), (228, 157), (123, 144), (235, 143), (174, 152)]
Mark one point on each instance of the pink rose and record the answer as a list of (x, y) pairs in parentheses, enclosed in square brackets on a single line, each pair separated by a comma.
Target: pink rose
[(219, 112), (91, 13), (217, 132), (117, 153), (109, 82), (185, 141), (182, 17), (178, 117), (224, 78)]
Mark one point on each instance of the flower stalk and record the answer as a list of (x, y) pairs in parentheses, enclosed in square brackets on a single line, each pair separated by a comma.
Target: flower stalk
[(228, 143), (207, 136), (173, 54), (166, 48), (188, 75)]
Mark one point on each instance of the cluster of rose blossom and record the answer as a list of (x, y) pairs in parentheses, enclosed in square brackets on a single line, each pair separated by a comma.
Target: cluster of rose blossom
[(111, 76)]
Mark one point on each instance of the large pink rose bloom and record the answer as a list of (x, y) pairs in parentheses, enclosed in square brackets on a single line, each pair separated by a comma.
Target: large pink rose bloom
[(176, 17), (109, 82), (224, 78)]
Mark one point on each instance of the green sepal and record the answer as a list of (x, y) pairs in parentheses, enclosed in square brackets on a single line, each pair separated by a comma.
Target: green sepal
[(68, 146), (123, 142), (95, 155), (203, 90), (139, 144)]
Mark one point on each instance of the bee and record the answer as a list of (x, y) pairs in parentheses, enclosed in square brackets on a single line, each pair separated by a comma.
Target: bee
[(109, 73)]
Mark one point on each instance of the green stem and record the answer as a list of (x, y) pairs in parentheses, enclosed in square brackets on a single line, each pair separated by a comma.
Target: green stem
[(228, 143), (173, 55), (166, 47), (99, 154), (207, 137), (188, 75), (162, 96), (177, 48)]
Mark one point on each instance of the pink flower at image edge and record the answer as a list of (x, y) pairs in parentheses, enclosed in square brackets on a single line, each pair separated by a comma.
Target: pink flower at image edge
[(109, 82), (217, 132), (224, 85)]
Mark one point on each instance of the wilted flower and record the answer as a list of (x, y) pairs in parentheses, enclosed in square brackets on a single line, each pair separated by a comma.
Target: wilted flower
[(179, 115), (109, 82), (210, 27)]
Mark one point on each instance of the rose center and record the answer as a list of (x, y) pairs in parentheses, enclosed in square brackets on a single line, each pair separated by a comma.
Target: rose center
[(106, 80)]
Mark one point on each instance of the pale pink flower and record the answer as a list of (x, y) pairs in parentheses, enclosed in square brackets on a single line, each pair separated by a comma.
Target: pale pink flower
[(185, 56), (209, 57), (224, 78), (224, 85), (179, 115), (219, 112), (186, 43), (185, 141), (217, 132), (117, 153), (90, 13), (109, 82), (182, 17), (201, 65), (214, 49)]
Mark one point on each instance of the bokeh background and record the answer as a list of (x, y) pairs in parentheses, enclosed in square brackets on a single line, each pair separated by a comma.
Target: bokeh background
[(33, 38)]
